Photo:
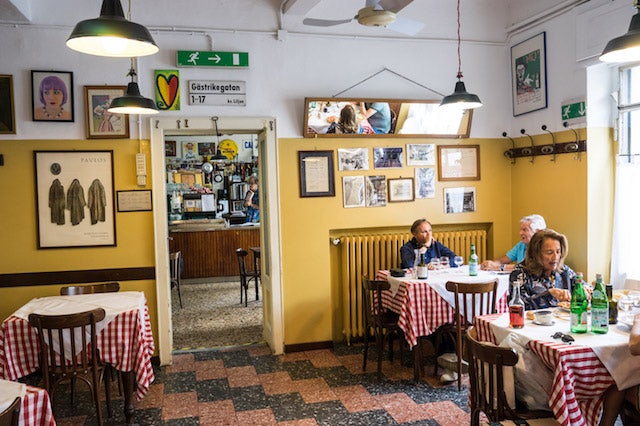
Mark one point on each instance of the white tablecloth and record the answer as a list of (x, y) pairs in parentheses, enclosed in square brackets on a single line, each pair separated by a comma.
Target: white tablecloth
[(10, 391)]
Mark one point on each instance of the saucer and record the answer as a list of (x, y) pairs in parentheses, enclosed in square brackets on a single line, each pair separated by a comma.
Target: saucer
[(541, 323)]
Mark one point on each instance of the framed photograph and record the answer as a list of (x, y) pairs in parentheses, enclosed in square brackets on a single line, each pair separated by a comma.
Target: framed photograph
[(400, 189), (353, 191), (189, 151), (353, 159), (375, 191), (316, 174), (529, 75), (458, 162), (7, 109), (421, 154), (102, 124), (206, 148), (52, 95), (137, 200), (460, 200), (388, 158), (74, 199), (170, 148), (426, 182)]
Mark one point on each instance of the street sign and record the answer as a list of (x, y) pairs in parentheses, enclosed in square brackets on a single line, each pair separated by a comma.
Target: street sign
[(574, 110), (217, 92), (202, 58)]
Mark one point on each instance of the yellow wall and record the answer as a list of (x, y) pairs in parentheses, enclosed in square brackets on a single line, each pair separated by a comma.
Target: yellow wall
[(18, 234)]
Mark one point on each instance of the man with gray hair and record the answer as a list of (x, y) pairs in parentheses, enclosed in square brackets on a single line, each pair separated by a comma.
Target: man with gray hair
[(528, 226)]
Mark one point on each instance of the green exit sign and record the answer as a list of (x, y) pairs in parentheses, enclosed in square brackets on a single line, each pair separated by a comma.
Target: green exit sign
[(574, 110), (203, 58)]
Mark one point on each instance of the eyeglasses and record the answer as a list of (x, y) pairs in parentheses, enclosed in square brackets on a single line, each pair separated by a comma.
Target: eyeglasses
[(564, 337)]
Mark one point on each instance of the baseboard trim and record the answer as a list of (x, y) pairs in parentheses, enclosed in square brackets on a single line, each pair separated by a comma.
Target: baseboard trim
[(301, 347)]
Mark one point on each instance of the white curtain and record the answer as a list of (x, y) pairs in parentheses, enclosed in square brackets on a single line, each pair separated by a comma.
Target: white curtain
[(625, 253)]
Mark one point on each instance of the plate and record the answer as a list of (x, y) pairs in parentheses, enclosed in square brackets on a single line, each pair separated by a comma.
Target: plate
[(541, 323), (503, 272)]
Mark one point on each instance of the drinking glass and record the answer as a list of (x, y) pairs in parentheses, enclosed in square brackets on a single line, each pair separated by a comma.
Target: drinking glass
[(435, 262), (459, 261), (444, 262), (625, 303)]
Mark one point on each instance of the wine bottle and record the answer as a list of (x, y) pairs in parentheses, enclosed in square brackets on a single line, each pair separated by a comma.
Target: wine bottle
[(473, 261), (422, 268), (599, 308), (516, 308), (613, 305), (579, 305)]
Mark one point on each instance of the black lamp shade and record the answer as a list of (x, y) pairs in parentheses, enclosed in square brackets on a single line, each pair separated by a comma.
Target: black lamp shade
[(133, 102), (112, 35), (625, 48), (461, 99)]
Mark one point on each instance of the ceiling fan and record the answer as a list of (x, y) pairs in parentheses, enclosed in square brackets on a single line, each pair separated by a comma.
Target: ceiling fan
[(377, 13)]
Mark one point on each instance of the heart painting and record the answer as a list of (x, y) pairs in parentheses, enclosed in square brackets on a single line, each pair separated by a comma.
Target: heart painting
[(167, 89)]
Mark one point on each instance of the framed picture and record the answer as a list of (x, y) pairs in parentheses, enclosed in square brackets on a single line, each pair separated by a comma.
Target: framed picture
[(353, 191), (460, 200), (316, 174), (353, 159), (421, 154), (458, 162), (74, 199), (529, 75), (7, 109), (426, 182), (137, 200), (376, 191), (400, 189), (169, 148), (52, 95), (206, 148), (388, 158), (102, 124)]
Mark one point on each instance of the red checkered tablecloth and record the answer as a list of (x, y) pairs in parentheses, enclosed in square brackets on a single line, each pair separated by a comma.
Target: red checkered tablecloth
[(579, 379), (35, 409), (126, 342)]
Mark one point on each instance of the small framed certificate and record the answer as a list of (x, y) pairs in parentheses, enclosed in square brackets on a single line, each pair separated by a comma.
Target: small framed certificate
[(134, 201)]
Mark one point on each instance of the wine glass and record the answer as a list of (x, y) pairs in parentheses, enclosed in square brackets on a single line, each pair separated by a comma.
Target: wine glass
[(435, 262), (444, 262), (625, 303), (459, 261)]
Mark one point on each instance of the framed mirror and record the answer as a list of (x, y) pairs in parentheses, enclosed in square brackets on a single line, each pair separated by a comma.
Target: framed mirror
[(357, 117)]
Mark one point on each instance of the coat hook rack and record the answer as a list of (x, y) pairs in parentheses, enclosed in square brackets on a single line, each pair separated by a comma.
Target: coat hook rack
[(573, 146), (510, 152), (529, 151), (549, 149)]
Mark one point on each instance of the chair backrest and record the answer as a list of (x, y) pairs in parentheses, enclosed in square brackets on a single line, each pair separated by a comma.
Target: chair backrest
[(73, 290), (11, 415), (67, 343), (242, 263), (473, 299), (631, 284), (490, 373), (372, 301), (174, 265)]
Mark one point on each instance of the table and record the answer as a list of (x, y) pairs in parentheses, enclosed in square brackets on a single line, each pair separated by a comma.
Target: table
[(35, 405), (582, 371), (256, 258), (124, 337)]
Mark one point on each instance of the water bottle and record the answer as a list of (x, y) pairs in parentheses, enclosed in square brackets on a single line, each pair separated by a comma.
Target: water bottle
[(473, 261), (579, 305), (599, 308)]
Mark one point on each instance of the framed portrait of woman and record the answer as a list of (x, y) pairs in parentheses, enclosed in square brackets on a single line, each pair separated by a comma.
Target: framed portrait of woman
[(52, 95), (100, 123)]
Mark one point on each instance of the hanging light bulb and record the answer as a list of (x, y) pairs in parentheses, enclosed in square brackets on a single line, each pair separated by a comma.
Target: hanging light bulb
[(111, 34), (133, 102), (460, 98), (625, 48)]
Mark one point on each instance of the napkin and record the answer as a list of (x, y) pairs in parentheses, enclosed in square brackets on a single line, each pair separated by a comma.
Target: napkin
[(9, 391)]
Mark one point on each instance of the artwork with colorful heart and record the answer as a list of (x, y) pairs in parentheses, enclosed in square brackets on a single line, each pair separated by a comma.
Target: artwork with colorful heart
[(167, 90)]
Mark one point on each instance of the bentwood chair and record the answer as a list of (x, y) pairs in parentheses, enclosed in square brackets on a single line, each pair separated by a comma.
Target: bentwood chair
[(67, 350), (382, 322), (491, 386), (11, 415), (175, 261), (72, 290), (246, 275)]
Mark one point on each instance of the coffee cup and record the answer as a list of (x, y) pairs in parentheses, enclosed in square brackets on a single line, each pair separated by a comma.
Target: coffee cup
[(544, 317)]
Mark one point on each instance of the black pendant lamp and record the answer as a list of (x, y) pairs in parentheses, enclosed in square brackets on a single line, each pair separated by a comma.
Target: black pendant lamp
[(133, 102), (625, 48), (219, 157), (460, 98), (111, 34)]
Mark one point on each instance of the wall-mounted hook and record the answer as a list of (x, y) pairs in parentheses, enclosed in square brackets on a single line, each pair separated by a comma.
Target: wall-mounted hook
[(177, 124), (157, 123), (573, 146), (186, 123), (550, 149), (510, 153), (529, 151)]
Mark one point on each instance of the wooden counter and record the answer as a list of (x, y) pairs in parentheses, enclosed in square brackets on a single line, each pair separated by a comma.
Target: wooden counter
[(212, 253)]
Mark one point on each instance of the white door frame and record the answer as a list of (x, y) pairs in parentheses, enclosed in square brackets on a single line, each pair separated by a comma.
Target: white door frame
[(159, 126)]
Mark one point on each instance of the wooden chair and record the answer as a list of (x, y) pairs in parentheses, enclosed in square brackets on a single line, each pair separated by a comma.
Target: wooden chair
[(73, 290), (488, 377), (246, 275), (383, 322), (67, 350), (11, 415), (175, 260), (471, 299)]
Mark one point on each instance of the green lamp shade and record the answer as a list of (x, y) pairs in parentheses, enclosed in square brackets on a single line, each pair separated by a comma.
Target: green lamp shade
[(133, 102), (625, 48), (461, 99), (112, 35)]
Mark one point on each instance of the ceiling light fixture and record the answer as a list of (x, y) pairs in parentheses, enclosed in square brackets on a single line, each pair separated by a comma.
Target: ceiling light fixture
[(219, 157), (625, 48), (111, 34), (460, 98), (133, 102)]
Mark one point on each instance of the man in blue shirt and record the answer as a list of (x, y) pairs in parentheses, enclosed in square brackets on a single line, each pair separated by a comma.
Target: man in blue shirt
[(423, 241), (528, 226)]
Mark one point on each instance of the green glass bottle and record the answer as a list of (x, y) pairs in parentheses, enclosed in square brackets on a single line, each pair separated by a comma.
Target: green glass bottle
[(613, 305), (599, 308), (579, 305), (473, 261)]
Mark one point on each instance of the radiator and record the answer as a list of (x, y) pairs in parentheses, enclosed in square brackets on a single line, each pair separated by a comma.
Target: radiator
[(366, 254)]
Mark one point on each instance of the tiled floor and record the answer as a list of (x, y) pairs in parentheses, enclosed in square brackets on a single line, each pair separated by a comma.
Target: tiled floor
[(249, 386)]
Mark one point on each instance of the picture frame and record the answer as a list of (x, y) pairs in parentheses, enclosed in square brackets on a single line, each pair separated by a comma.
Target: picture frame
[(7, 108), (460, 200), (353, 191), (60, 106), (376, 191), (458, 162), (388, 158), (353, 159), (423, 154), (425, 182), (529, 75), (136, 200), (400, 189), (100, 123), (170, 148), (74, 199), (316, 171)]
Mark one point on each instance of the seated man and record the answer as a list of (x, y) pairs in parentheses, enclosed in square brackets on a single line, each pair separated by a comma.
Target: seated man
[(528, 226), (423, 241)]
